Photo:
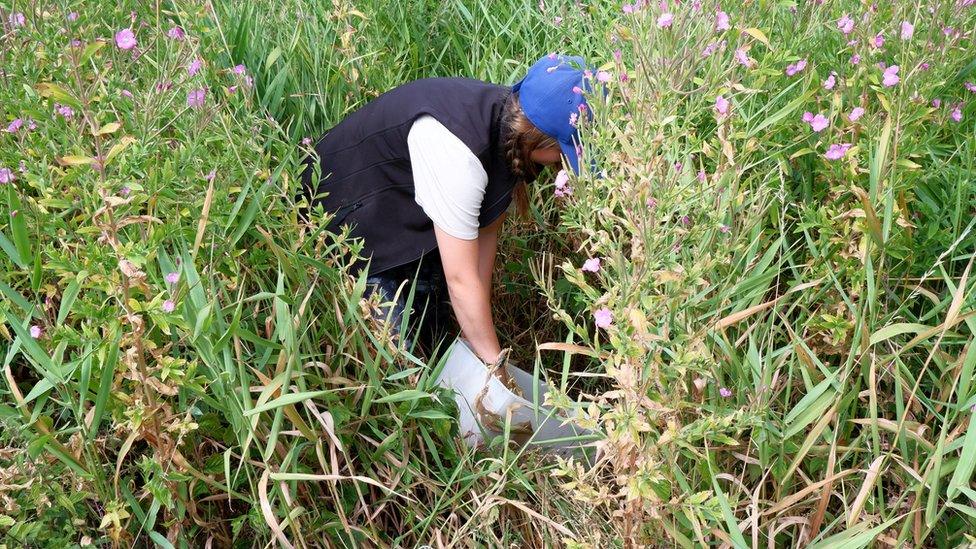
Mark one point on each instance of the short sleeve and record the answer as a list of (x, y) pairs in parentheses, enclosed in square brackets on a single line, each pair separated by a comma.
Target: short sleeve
[(449, 180)]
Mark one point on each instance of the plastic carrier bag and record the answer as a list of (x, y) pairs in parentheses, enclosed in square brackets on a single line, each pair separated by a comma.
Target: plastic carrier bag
[(484, 403)]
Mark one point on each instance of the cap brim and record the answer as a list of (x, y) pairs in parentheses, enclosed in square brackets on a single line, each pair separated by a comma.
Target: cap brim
[(517, 85), (569, 151)]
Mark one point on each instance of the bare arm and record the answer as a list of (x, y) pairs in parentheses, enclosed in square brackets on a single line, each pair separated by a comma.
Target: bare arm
[(487, 246), (465, 271)]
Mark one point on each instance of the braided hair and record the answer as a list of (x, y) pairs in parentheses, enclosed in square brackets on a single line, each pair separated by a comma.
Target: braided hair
[(523, 137)]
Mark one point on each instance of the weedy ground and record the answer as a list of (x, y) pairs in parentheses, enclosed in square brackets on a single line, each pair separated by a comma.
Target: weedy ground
[(776, 343)]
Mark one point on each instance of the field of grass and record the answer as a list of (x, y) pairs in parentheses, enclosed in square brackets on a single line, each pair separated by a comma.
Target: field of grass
[(785, 228)]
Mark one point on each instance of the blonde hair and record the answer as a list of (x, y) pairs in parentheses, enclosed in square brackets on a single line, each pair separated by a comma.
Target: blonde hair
[(523, 137)]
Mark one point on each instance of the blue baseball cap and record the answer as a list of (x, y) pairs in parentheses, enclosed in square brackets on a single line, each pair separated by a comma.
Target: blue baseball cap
[(551, 92)]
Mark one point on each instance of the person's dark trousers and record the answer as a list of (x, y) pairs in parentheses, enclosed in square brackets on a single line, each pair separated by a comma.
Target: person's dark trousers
[(431, 318)]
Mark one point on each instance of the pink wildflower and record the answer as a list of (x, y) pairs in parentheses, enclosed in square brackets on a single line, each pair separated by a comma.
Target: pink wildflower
[(194, 67), (603, 317), (794, 68), (306, 141), (855, 113), (651, 202), (878, 41), (591, 265), (618, 55), (725, 392), (890, 77), (817, 122), (17, 19), (64, 110), (701, 176), (35, 331), (557, 20), (907, 30), (628, 8), (722, 21), (837, 151), (831, 81), (665, 20), (239, 69), (970, 86), (572, 119), (721, 105), (73, 16), (169, 306), (562, 184), (195, 98), (14, 125), (855, 59), (6, 176), (603, 76), (173, 277), (176, 33), (742, 57), (845, 24), (956, 113), (937, 102), (712, 48), (723, 228), (125, 39), (126, 93)]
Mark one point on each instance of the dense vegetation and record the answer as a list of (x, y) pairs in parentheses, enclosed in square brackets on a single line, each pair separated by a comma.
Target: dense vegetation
[(776, 343)]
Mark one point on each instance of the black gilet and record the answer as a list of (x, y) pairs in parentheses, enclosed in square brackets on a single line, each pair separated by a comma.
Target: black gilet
[(366, 178)]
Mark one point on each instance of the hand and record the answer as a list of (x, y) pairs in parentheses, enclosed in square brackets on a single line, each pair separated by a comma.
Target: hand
[(499, 368)]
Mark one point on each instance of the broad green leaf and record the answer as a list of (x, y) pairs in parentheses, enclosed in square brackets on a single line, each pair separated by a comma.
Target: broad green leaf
[(893, 330), (290, 398), (70, 294), (855, 537), (407, 394)]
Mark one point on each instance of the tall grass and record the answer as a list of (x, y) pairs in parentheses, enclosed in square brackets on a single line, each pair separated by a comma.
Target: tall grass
[(790, 360)]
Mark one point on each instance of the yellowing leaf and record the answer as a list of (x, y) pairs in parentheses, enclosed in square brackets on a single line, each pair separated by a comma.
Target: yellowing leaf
[(884, 102), (758, 35), (73, 160), (49, 89), (667, 276), (111, 127), (118, 148)]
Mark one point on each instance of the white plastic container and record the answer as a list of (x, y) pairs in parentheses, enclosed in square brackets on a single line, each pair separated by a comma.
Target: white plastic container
[(484, 402)]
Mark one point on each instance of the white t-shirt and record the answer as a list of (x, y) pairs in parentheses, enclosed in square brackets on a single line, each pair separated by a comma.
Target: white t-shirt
[(449, 181)]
